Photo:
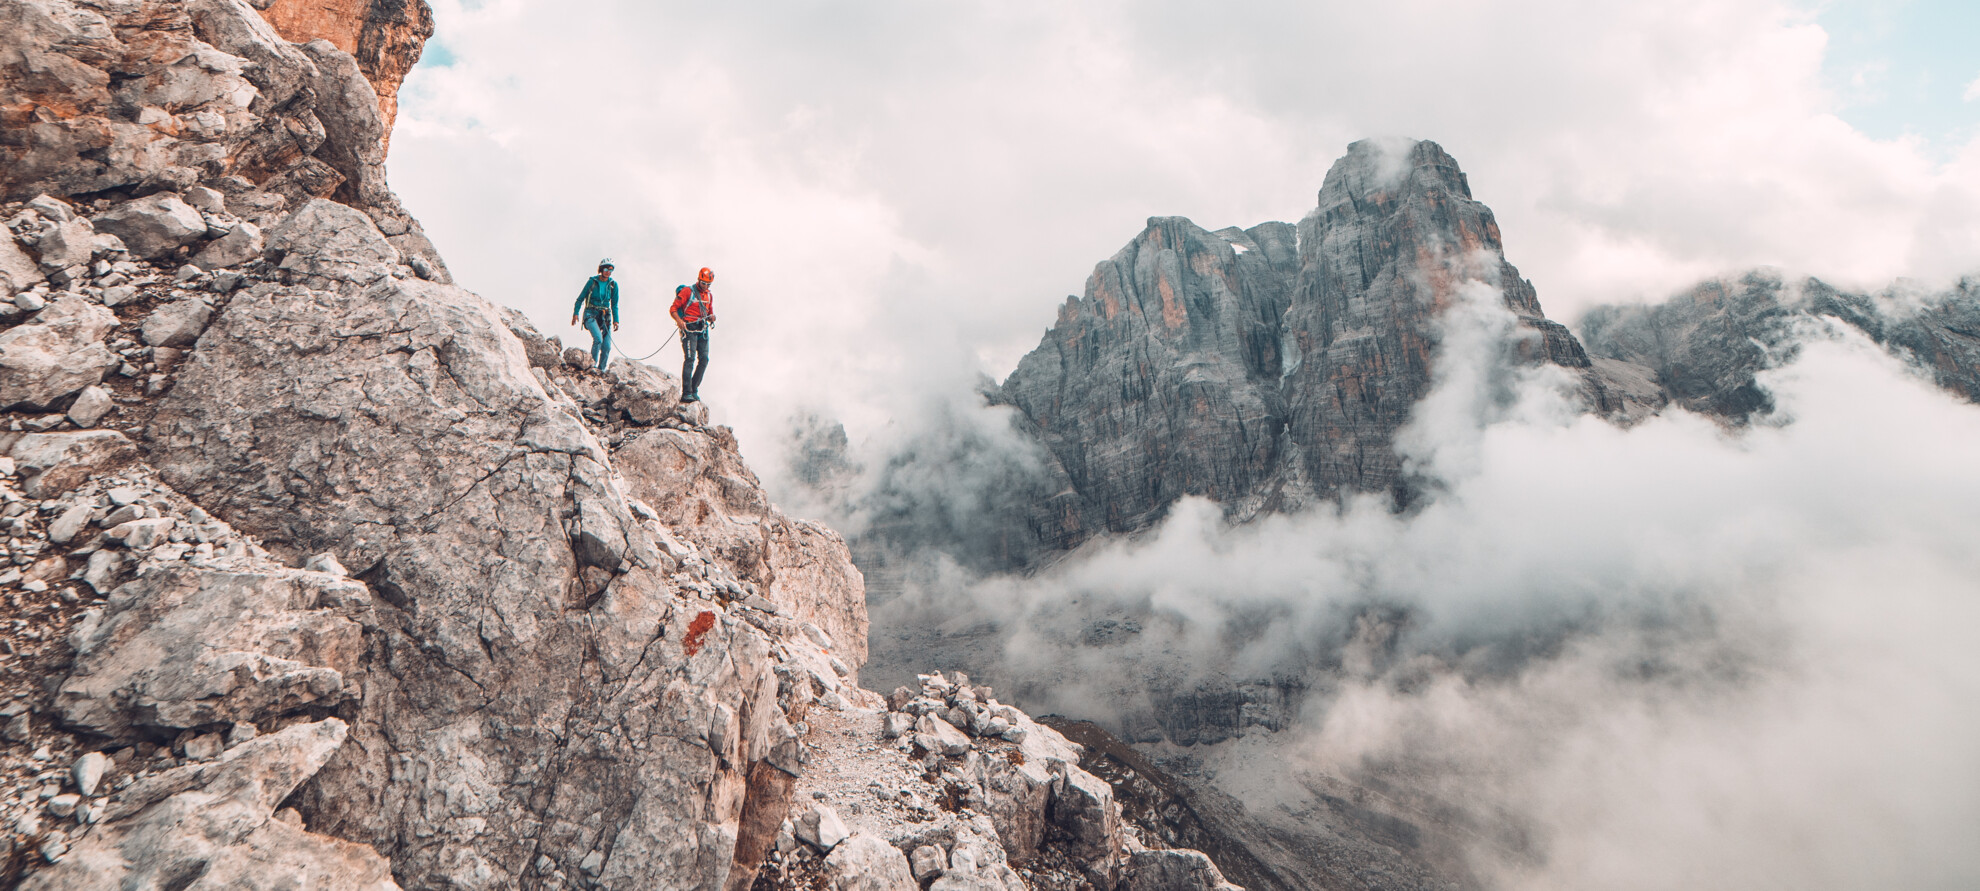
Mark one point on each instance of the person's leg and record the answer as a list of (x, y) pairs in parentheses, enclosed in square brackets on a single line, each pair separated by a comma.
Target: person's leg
[(701, 359), (687, 363), (597, 327), (604, 360)]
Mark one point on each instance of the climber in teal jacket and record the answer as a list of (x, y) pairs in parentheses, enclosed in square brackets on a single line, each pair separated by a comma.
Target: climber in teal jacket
[(598, 304)]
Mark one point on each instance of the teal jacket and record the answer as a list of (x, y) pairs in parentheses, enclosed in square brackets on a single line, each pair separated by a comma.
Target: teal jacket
[(599, 295)]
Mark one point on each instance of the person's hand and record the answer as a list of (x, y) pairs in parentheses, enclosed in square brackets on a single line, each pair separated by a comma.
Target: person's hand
[(573, 320), (615, 326)]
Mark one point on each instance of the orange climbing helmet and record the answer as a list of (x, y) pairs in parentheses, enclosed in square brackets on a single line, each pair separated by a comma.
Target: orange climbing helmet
[(707, 274)]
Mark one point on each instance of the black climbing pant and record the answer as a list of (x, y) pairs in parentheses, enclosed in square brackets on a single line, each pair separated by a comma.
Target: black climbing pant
[(694, 360)]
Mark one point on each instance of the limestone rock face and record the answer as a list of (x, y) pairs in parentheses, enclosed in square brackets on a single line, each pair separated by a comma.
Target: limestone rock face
[(152, 101), (180, 648), (384, 37), (1163, 380)]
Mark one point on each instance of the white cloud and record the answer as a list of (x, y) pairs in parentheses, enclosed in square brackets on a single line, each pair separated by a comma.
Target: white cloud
[(1973, 91), (1663, 656), (894, 193)]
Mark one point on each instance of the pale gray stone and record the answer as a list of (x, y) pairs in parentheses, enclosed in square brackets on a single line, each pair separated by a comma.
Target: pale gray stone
[(241, 243), (29, 301), (67, 245), (928, 861), (56, 354), (821, 828), (326, 562), (18, 272), (937, 735), (1173, 870), (868, 863), (53, 208), (184, 647), (88, 771), (332, 240), (90, 406), (177, 324), (153, 226), (142, 535), (53, 463), (68, 523), (211, 819)]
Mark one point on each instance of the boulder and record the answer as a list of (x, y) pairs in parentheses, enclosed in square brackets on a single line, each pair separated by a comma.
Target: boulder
[(88, 771), (67, 245), (241, 244), (59, 352), (176, 324), (927, 862), (90, 406), (211, 820), (142, 535), (332, 240), (1173, 871), (184, 647), (153, 226), (71, 521), (821, 828), (53, 463), (18, 271), (868, 863), (937, 735), (1083, 809), (645, 394), (206, 200)]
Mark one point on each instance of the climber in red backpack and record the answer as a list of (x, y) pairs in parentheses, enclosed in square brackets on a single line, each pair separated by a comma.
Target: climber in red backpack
[(693, 314)]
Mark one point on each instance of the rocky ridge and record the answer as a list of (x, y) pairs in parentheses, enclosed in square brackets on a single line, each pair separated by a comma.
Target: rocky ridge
[(326, 572), (1705, 346)]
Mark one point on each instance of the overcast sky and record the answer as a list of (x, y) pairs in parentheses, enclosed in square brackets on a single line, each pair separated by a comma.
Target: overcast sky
[(895, 195)]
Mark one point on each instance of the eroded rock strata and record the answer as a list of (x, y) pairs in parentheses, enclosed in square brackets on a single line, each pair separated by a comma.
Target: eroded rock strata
[(1269, 367), (323, 572)]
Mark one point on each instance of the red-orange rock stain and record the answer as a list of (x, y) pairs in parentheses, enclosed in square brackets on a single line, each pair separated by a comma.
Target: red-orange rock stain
[(697, 630)]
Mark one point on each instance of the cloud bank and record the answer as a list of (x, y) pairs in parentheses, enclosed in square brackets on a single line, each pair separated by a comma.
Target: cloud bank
[(896, 195), (1663, 656)]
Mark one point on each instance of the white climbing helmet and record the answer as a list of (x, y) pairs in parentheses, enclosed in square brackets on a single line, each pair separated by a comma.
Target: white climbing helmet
[(606, 263)]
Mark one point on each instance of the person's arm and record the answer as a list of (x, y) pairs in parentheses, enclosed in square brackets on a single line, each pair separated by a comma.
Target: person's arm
[(674, 312), (579, 305)]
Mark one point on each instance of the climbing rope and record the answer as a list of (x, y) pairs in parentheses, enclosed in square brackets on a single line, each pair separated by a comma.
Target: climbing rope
[(663, 345)]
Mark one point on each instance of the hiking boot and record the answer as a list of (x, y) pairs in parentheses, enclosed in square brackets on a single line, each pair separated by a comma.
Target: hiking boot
[(691, 398)]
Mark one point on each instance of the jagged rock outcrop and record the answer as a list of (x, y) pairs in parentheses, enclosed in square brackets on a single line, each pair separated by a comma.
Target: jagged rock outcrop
[(384, 37), (1269, 367), (1704, 346), (116, 103)]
